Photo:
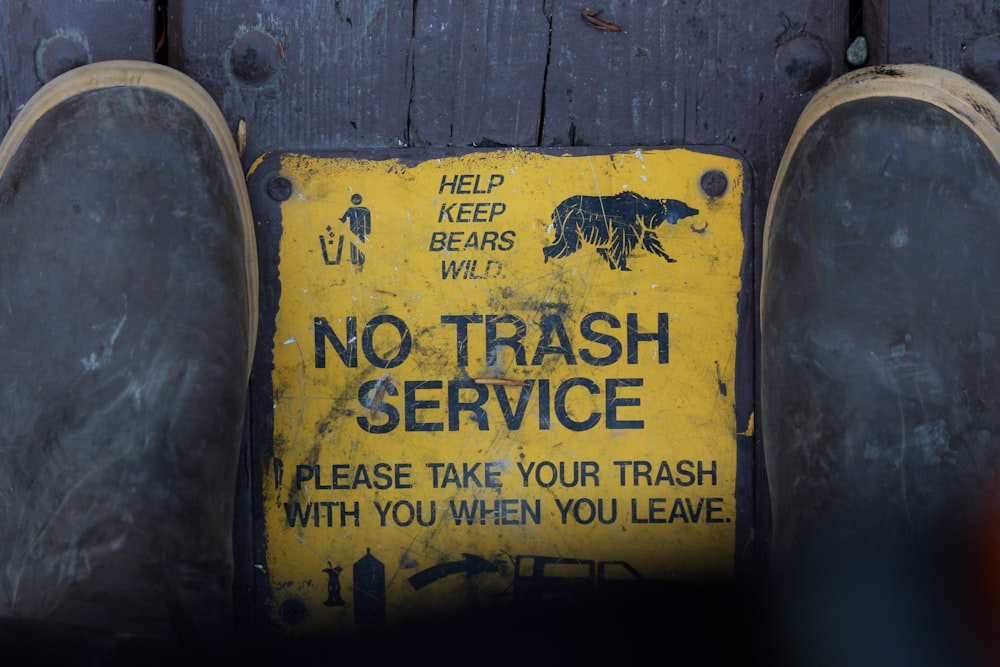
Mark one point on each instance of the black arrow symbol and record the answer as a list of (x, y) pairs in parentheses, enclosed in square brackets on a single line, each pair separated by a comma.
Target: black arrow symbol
[(470, 564)]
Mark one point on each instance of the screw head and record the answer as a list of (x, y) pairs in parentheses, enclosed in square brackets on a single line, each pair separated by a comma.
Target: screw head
[(714, 183), (59, 54), (806, 62), (255, 57), (279, 188), (292, 611)]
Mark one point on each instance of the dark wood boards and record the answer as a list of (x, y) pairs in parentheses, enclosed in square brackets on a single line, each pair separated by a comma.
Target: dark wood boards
[(316, 75), (959, 36)]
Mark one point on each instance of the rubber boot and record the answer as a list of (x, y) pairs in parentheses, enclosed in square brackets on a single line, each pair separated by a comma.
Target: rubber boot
[(880, 369), (127, 322)]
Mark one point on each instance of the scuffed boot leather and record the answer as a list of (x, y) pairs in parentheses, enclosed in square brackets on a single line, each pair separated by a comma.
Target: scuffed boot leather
[(880, 315), (127, 320)]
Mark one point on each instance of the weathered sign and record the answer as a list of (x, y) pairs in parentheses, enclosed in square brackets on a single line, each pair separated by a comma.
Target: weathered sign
[(496, 373)]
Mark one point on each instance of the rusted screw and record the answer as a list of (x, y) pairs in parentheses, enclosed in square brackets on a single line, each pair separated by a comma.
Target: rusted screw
[(58, 54), (279, 188), (806, 62), (714, 183), (255, 57)]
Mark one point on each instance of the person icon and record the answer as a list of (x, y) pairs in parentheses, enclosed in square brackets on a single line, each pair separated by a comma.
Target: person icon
[(360, 220), (333, 598)]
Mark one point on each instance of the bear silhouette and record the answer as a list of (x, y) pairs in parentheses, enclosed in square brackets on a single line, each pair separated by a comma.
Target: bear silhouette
[(613, 226)]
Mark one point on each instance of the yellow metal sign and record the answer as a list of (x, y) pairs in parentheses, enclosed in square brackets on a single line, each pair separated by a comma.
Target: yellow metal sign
[(498, 372)]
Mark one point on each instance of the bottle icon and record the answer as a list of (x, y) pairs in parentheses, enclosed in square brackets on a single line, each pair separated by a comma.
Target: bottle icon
[(369, 590)]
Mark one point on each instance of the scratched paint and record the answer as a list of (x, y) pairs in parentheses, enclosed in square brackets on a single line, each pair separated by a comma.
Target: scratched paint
[(493, 367)]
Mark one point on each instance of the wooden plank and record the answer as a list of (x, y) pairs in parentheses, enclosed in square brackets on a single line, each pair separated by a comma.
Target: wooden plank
[(308, 75), (479, 73), (42, 40), (377, 77), (959, 36), (875, 30)]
